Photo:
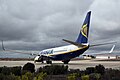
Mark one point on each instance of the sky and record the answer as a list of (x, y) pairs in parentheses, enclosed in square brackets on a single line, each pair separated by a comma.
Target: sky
[(41, 24)]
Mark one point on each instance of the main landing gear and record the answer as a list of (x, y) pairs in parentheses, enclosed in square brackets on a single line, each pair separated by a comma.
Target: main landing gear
[(49, 62), (66, 61)]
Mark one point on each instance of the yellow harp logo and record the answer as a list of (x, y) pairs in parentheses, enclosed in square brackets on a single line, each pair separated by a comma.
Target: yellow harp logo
[(84, 30)]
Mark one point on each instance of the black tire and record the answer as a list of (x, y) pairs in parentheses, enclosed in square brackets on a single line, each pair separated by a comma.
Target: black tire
[(42, 62), (49, 62), (66, 62)]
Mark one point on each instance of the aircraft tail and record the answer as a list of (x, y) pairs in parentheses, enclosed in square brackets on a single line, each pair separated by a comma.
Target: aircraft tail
[(83, 36)]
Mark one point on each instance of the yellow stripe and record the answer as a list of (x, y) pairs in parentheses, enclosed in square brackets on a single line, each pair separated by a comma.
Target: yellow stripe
[(68, 51), (82, 30)]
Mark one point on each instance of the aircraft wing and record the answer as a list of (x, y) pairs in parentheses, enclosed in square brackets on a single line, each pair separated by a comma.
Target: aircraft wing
[(23, 52), (101, 44), (20, 51), (89, 55)]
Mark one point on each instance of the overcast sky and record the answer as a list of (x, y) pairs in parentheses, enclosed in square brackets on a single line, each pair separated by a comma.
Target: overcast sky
[(40, 24)]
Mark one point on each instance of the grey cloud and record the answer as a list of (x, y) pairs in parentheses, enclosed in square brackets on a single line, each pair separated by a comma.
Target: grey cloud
[(105, 26), (39, 24)]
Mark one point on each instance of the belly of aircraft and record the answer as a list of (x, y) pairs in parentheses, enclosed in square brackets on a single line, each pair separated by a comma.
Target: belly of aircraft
[(69, 55)]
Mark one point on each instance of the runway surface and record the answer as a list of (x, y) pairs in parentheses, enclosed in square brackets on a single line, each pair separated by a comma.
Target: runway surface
[(78, 64)]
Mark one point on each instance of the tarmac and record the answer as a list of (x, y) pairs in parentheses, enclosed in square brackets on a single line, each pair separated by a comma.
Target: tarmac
[(77, 64)]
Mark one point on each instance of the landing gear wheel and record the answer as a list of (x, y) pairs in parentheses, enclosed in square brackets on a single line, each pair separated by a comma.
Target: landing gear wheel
[(42, 62), (49, 62), (66, 62)]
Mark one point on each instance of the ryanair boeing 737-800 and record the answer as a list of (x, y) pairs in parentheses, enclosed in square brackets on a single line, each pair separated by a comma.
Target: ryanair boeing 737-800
[(66, 53)]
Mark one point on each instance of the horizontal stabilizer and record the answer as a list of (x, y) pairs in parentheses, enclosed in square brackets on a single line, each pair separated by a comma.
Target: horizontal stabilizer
[(74, 43)]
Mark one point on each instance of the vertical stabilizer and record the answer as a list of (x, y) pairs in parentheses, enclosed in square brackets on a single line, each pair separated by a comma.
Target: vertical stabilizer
[(83, 36)]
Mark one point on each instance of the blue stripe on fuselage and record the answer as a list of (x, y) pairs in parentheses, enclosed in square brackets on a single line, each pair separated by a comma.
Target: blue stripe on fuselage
[(69, 55)]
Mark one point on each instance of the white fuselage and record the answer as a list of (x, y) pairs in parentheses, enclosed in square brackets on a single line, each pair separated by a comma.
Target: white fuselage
[(58, 50)]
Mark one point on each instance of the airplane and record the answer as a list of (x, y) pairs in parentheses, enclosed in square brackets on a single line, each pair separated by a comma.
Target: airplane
[(66, 53)]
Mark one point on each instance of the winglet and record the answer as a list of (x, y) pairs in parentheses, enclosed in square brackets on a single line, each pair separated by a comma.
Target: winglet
[(112, 49), (3, 46)]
